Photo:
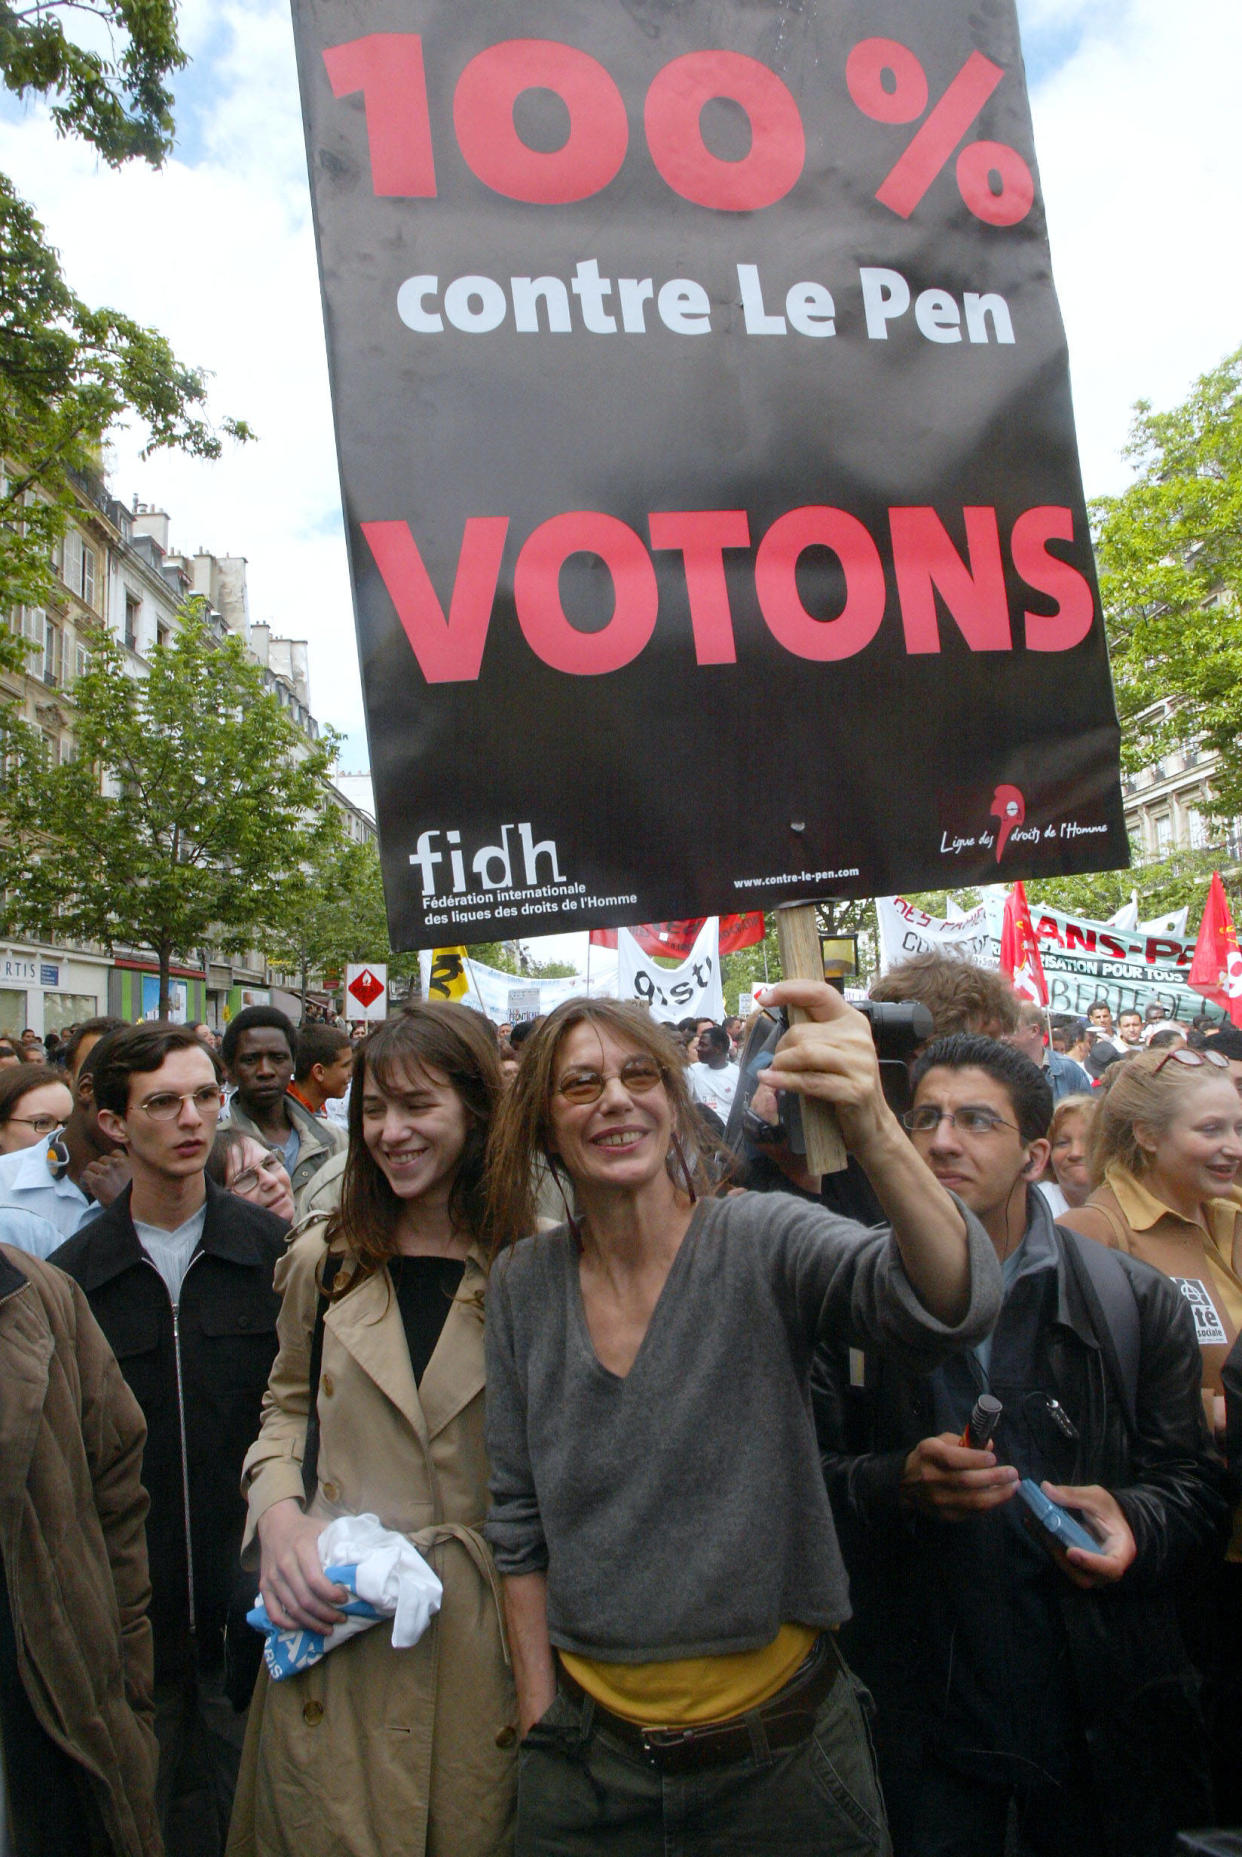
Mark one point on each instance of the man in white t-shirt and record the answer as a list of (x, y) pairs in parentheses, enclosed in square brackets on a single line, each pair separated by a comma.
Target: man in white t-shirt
[(713, 1080)]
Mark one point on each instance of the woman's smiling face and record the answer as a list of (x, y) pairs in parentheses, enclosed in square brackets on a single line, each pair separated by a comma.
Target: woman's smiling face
[(1198, 1155), (415, 1131), (621, 1139)]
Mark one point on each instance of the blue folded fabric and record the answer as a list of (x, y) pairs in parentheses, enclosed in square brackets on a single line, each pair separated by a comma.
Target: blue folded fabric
[(288, 1652)]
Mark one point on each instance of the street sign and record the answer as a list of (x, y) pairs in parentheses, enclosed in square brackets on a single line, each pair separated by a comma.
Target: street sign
[(366, 992)]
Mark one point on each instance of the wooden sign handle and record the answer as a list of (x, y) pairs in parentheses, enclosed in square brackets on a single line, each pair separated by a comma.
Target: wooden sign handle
[(797, 938)]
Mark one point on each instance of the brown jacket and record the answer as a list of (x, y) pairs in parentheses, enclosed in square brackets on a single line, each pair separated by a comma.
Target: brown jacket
[(72, 1533), (1125, 1215), (374, 1750)]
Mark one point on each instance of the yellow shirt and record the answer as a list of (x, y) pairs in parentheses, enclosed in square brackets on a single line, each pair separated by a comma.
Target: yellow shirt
[(694, 1689)]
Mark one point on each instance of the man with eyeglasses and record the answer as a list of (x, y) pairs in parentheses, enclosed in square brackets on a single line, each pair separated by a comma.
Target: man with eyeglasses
[(1007, 1680), (178, 1274)]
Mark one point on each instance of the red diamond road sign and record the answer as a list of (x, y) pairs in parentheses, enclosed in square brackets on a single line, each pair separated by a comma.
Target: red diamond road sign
[(365, 988)]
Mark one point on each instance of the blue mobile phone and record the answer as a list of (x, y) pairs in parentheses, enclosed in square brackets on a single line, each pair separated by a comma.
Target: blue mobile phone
[(1053, 1526)]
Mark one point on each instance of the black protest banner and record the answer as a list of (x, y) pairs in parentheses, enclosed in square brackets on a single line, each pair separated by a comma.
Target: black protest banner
[(713, 507)]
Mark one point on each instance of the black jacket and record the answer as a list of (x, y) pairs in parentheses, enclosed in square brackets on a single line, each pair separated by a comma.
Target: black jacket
[(1135, 1691), (226, 1335)]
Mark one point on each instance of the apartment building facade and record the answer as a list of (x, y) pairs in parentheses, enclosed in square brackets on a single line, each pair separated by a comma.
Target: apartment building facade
[(116, 566)]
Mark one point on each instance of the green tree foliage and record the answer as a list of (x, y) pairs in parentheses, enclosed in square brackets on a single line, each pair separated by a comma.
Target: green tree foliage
[(552, 970), (186, 817), (761, 963), (1170, 555), (502, 955), (333, 910), (69, 373), (1182, 877), (116, 101)]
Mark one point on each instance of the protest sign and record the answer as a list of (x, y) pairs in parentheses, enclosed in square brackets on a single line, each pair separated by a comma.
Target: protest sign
[(1082, 960), (524, 1002), (905, 929), (691, 991), (366, 991), (702, 405), (450, 974)]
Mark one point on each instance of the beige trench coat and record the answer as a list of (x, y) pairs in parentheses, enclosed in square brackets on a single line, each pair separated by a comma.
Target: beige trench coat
[(376, 1752)]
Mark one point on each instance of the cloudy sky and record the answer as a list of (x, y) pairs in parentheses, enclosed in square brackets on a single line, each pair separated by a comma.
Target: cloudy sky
[(1135, 119)]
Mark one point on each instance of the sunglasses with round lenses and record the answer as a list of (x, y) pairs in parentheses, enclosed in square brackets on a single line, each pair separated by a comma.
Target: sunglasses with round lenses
[(637, 1074), (164, 1107), (973, 1121), (1182, 1054)]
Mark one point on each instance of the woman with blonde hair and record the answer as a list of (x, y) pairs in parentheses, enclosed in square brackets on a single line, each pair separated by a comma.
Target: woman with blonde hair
[(1165, 1151), (1165, 1154), (379, 1379), (1069, 1136)]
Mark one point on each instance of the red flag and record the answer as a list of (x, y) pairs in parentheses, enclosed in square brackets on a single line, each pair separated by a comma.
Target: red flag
[(1216, 970), (677, 938), (1019, 950)]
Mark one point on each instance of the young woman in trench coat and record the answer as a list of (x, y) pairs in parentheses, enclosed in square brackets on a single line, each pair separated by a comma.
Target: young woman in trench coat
[(374, 1751)]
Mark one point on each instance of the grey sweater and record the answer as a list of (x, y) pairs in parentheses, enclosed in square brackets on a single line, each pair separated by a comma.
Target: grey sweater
[(681, 1511)]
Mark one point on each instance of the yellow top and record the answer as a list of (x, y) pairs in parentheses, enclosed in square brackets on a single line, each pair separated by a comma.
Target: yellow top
[(694, 1689)]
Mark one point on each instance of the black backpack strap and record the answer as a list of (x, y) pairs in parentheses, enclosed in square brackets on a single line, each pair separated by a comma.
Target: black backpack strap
[(1109, 1295), (310, 1449)]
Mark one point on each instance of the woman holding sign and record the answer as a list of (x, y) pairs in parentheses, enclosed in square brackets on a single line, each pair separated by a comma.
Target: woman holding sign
[(672, 1577), (375, 1750)]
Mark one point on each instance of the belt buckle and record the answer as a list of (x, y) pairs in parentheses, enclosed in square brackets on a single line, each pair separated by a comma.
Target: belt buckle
[(656, 1742)]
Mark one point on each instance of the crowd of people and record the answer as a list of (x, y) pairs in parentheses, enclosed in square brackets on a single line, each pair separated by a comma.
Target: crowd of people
[(888, 1510)]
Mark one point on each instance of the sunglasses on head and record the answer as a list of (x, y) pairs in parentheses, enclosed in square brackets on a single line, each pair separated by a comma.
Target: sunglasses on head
[(1182, 1054), (637, 1075)]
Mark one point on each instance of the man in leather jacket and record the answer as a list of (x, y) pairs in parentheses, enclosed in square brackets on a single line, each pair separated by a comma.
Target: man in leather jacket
[(178, 1275), (1007, 1679)]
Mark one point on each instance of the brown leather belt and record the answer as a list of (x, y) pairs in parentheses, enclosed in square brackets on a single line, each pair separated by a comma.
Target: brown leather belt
[(787, 1720)]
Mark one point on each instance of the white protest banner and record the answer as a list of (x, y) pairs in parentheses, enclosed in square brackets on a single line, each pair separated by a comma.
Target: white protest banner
[(1082, 960), (905, 930), (446, 974), (692, 990), (366, 991)]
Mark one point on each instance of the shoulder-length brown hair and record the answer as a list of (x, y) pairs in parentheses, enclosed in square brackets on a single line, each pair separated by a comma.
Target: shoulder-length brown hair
[(18, 1081), (520, 1142), (457, 1044)]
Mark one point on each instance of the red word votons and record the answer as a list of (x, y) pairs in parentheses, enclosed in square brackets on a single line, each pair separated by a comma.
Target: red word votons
[(926, 567)]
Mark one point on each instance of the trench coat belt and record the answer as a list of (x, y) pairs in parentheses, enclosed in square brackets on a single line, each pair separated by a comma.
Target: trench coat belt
[(476, 1547)]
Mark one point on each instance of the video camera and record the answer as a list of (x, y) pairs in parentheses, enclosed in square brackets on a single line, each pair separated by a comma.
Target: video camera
[(898, 1028)]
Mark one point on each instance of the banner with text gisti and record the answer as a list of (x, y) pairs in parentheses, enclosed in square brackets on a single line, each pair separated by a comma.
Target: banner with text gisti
[(712, 497)]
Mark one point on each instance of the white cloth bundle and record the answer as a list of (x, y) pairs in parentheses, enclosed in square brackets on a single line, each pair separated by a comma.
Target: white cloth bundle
[(386, 1578)]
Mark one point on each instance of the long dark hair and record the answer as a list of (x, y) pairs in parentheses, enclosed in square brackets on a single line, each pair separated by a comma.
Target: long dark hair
[(440, 1037)]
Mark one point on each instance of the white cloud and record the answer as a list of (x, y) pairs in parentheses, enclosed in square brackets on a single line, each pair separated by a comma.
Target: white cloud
[(1136, 138)]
